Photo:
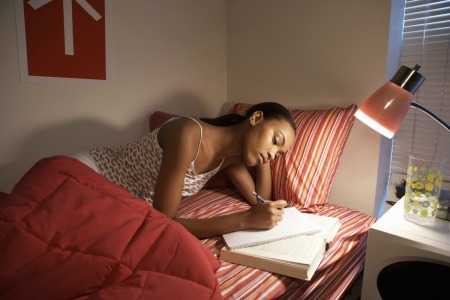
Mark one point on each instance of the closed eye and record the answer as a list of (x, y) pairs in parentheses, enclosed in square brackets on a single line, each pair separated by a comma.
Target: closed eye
[(277, 139)]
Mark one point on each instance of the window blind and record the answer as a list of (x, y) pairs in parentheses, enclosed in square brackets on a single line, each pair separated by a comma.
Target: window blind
[(426, 42)]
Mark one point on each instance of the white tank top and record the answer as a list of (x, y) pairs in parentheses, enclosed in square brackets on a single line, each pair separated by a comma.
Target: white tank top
[(135, 166)]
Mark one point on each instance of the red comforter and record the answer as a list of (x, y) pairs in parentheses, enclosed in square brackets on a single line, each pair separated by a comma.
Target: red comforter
[(66, 232)]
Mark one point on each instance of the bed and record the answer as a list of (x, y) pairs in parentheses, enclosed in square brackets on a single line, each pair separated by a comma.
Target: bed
[(68, 233)]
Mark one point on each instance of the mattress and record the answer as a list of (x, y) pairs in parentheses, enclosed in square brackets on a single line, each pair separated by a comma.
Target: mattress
[(343, 261)]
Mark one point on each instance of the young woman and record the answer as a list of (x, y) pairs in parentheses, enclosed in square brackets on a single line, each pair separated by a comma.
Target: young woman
[(178, 158)]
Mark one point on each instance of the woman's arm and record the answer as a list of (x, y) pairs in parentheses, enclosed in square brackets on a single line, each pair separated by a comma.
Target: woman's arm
[(179, 140), (180, 144), (243, 181), (168, 195), (263, 180), (259, 216)]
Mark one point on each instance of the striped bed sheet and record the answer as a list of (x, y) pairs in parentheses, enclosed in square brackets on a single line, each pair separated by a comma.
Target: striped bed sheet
[(342, 263)]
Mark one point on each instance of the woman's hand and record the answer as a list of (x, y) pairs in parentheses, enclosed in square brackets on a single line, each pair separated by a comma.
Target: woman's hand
[(264, 215)]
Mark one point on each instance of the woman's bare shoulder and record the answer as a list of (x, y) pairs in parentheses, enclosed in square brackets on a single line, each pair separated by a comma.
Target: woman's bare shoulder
[(180, 123), (182, 130)]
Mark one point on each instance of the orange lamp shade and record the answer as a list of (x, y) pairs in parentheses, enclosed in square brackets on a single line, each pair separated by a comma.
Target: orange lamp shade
[(385, 109)]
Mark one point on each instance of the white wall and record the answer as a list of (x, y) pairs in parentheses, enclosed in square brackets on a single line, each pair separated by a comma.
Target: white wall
[(315, 55), (166, 54)]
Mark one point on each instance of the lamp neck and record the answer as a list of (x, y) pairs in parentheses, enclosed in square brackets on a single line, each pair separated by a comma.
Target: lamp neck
[(431, 115), (408, 79)]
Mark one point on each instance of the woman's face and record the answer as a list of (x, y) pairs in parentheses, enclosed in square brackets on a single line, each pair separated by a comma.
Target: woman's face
[(266, 140)]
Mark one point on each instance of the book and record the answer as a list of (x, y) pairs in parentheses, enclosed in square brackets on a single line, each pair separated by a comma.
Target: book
[(294, 223), (297, 257), (329, 226)]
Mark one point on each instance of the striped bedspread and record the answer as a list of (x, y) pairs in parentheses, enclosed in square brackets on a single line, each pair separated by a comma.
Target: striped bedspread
[(342, 263)]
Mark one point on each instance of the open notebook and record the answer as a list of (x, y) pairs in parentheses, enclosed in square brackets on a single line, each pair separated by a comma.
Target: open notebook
[(294, 223), (297, 256)]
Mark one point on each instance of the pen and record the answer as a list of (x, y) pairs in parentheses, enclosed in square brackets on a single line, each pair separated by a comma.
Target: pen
[(258, 197)]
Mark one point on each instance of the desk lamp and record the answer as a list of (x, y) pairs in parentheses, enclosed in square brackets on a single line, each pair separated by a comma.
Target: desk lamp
[(385, 109)]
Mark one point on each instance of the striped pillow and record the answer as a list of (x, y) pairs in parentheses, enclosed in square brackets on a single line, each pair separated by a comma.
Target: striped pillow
[(305, 174)]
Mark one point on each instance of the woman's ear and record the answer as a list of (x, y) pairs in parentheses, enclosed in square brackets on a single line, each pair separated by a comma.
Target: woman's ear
[(256, 117)]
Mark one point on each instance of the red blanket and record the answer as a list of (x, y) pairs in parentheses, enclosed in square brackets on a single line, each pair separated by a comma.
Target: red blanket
[(66, 232)]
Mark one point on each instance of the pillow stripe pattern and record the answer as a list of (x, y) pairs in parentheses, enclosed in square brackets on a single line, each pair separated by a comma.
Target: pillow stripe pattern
[(305, 174), (310, 165)]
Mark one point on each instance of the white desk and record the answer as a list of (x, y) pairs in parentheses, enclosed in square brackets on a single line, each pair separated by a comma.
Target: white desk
[(393, 239)]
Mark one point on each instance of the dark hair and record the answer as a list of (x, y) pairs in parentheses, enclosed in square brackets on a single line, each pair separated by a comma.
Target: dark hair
[(270, 110)]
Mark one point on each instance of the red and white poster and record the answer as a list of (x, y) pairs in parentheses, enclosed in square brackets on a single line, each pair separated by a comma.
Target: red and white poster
[(63, 41)]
